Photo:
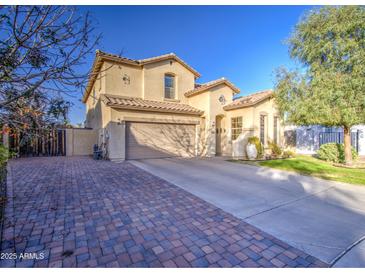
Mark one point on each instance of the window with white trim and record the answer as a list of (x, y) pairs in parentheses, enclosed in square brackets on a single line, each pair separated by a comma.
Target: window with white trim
[(169, 86), (276, 130), (263, 129), (236, 127)]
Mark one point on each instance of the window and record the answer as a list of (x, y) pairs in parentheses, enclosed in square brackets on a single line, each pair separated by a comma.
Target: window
[(276, 139), (94, 96), (169, 86), (262, 129), (236, 127)]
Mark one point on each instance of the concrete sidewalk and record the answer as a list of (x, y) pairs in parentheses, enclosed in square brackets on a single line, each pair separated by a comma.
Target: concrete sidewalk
[(320, 217)]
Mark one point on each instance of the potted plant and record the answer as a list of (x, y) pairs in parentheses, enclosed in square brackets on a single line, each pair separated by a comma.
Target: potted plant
[(254, 148)]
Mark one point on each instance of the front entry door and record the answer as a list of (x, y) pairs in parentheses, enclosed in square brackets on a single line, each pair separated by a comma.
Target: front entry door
[(218, 135)]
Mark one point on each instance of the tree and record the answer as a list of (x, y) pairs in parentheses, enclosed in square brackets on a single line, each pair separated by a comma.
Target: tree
[(329, 88), (41, 51)]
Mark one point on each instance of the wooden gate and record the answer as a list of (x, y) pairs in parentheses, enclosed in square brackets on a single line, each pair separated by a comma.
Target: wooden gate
[(43, 142)]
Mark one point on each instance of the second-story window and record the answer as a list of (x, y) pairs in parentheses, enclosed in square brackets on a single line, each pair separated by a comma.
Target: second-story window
[(169, 86)]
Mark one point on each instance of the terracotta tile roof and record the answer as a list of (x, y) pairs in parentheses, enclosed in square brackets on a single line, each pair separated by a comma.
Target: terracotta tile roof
[(249, 100), (101, 56), (149, 60), (199, 88), (135, 103), (167, 57)]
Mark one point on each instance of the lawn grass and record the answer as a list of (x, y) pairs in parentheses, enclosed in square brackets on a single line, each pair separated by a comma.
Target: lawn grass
[(308, 165)]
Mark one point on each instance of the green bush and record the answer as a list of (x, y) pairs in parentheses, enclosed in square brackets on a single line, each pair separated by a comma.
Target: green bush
[(275, 149), (332, 152), (288, 154), (4, 154), (259, 147)]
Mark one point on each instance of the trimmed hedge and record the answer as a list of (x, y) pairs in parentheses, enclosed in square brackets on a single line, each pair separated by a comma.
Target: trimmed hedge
[(333, 152)]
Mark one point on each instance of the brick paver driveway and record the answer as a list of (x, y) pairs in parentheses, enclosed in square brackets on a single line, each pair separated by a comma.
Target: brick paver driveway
[(77, 212)]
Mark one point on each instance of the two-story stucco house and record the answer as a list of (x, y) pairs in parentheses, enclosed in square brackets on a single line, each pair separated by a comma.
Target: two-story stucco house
[(154, 108)]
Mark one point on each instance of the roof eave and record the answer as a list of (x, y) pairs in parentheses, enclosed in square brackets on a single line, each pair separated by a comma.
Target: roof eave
[(248, 105), (154, 110), (92, 77), (177, 59), (101, 57), (190, 94)]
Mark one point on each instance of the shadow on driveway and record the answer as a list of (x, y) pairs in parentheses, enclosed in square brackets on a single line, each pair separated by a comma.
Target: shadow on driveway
[(77, 212), (320, 217)]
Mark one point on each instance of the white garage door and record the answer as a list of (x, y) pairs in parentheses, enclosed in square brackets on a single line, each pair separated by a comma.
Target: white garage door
[(152, 140)]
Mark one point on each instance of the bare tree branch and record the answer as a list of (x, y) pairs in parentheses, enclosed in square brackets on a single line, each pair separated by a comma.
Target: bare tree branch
[(41, 51)]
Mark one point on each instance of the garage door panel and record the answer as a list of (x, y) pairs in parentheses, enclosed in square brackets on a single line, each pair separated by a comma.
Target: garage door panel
[(152, 140)]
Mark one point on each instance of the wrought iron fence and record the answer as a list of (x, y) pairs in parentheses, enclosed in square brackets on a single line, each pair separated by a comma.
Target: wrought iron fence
[(337, 137)]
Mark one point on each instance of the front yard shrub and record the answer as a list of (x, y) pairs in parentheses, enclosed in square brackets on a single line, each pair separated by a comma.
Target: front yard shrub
[(4, 155), (259, 147), (288, 154), (275, 149), (332, 152)]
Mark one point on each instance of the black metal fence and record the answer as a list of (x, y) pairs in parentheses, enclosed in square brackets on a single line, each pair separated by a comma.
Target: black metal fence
[(337, 137)]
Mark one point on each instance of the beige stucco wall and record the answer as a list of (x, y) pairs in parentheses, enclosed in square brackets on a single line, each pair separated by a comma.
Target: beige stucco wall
[(247, 115), (80, 141), (116, 127), (147, 82), (208, 101), (120, 115), (114, 83), (267, 107), (217, 112), (94, 107), (154, 80), (251, 121), (248, 121)]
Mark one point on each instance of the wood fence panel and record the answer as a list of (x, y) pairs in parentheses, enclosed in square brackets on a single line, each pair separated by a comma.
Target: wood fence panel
[(39, 143)]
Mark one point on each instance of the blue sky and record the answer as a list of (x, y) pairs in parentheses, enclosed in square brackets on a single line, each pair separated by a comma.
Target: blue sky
[(242, 43)]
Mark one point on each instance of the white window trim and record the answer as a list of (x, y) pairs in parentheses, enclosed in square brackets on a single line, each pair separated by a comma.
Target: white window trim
[(173, 76), (239, 128)]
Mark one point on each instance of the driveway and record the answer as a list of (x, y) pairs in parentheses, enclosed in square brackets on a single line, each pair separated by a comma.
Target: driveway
[(322, 218), (78, 212)]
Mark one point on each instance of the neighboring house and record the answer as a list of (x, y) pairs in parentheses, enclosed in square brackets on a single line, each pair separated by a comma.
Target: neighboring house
[(308, 139), (153, 108)]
